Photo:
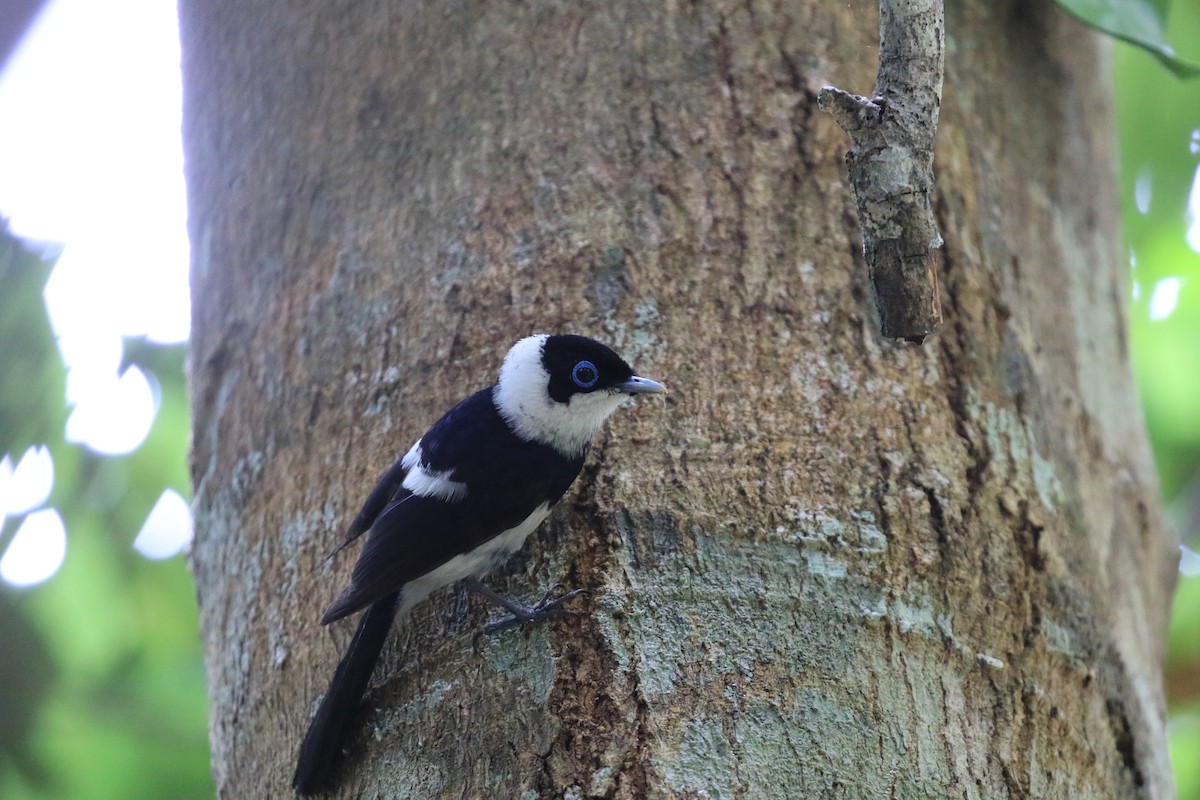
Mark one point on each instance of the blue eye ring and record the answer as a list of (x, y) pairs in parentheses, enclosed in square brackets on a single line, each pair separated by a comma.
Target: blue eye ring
[(585, 375)]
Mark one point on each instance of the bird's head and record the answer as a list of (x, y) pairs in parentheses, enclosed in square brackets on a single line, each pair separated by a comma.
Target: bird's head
[(558, 390)]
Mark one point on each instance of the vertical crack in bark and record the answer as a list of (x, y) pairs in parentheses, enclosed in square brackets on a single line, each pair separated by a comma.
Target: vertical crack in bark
[(659, 136), (804, 111), (594, 696), (723, 49), (636, 772), (880, 492), (1122, 731), (957, 370), (938, 515), (1028, 535)]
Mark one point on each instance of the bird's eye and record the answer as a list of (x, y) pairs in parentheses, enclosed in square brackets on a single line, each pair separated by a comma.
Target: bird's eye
[(585, 375)]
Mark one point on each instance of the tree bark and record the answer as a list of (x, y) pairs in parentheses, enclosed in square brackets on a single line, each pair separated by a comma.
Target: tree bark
[(829, 565)]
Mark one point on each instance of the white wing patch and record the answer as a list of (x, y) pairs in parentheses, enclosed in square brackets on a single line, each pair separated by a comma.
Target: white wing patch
[(425, 482)]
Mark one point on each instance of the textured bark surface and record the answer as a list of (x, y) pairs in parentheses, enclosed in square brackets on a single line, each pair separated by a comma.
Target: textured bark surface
[(828, 565)]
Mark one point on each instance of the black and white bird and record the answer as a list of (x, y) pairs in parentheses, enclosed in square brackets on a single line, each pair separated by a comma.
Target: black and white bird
[(461, 501)]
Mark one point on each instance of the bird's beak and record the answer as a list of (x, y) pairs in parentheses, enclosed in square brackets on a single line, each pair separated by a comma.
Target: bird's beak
[(636, 385)]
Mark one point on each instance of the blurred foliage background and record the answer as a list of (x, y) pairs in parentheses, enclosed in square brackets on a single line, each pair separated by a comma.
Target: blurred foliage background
[(1159, 133), (102, 690)]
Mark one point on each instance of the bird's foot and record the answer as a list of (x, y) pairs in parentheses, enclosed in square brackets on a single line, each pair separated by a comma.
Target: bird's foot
[(548, 608)]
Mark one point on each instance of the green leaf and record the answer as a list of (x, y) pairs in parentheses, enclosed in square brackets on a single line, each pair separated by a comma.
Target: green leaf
[(1139, 22), (33, 393)]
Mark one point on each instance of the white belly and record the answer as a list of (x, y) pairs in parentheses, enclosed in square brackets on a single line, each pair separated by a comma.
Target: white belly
[(475, 563)]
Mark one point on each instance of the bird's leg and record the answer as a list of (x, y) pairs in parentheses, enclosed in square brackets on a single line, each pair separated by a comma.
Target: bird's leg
[(548, 608)]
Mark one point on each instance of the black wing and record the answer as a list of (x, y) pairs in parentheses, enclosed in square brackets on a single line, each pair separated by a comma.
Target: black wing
[(388, 489), (506, 477)]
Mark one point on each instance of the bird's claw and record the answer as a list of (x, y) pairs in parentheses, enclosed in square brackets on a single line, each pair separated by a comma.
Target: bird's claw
[(546, 609)]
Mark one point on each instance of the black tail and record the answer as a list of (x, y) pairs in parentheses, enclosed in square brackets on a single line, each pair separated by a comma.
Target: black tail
[(323, 743)]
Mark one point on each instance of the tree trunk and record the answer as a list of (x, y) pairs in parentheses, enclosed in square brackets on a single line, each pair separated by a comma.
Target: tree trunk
[(829, 565)]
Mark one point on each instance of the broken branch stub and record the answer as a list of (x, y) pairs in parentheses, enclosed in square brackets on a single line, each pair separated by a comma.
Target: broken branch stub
[(890, 165)]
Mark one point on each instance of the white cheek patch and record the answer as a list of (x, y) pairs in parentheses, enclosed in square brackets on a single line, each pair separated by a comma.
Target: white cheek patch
[(522, 398), (427, 483)]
